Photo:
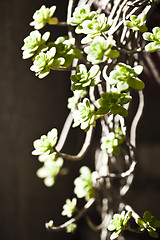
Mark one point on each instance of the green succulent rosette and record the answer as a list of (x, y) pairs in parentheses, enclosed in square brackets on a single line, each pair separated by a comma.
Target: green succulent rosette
[(92, 28), (84, 78), (154, 39), (44, 62), (34, 43), (113, 102), (150, 223), (100, 50), (125, 77), (43, 16), (137, 23), (119, 223), (46, 143), (84, 184), (84, 115), (80, 14)]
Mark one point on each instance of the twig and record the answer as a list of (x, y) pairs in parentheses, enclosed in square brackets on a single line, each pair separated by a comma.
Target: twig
[(75, 219), (83, 150), (136, 119), (64, 132)]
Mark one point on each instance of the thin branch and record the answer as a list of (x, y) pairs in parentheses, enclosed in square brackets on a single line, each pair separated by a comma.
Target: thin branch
[(83, 150), (62, 24), (136, 119), (126, 51), (65, 131), (75, 219), (92, 225), (68, 69)]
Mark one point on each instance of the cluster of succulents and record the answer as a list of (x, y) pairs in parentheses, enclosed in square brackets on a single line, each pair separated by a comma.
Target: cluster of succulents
[(98, 47)]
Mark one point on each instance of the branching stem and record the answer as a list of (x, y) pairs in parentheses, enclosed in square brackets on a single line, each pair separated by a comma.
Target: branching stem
[(83, 150), (81, 213)]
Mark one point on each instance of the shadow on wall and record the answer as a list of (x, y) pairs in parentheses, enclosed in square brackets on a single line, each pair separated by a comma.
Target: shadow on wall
[(29, 108)]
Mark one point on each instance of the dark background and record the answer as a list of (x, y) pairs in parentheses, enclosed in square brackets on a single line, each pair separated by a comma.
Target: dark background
[(30, 107)]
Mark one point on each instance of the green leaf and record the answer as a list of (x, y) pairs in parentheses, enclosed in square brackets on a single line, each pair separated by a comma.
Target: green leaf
[(143, 29), (140, 222), (152, 233), (125, 99), (115, 234), (155, 223), (138, 69), (44, 73), (152, 47), (113, 54), (58, 62), (147, 216), (136, 84), (128, 24), (122, 86), (103, 110), (119, 110), (94, 71), (147, 36)]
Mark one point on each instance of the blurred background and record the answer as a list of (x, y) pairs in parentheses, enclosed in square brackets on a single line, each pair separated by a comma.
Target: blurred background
[(30, 107)]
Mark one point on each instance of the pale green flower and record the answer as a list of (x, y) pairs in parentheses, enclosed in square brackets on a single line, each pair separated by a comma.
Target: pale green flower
[(34, 43), (43, 16)]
